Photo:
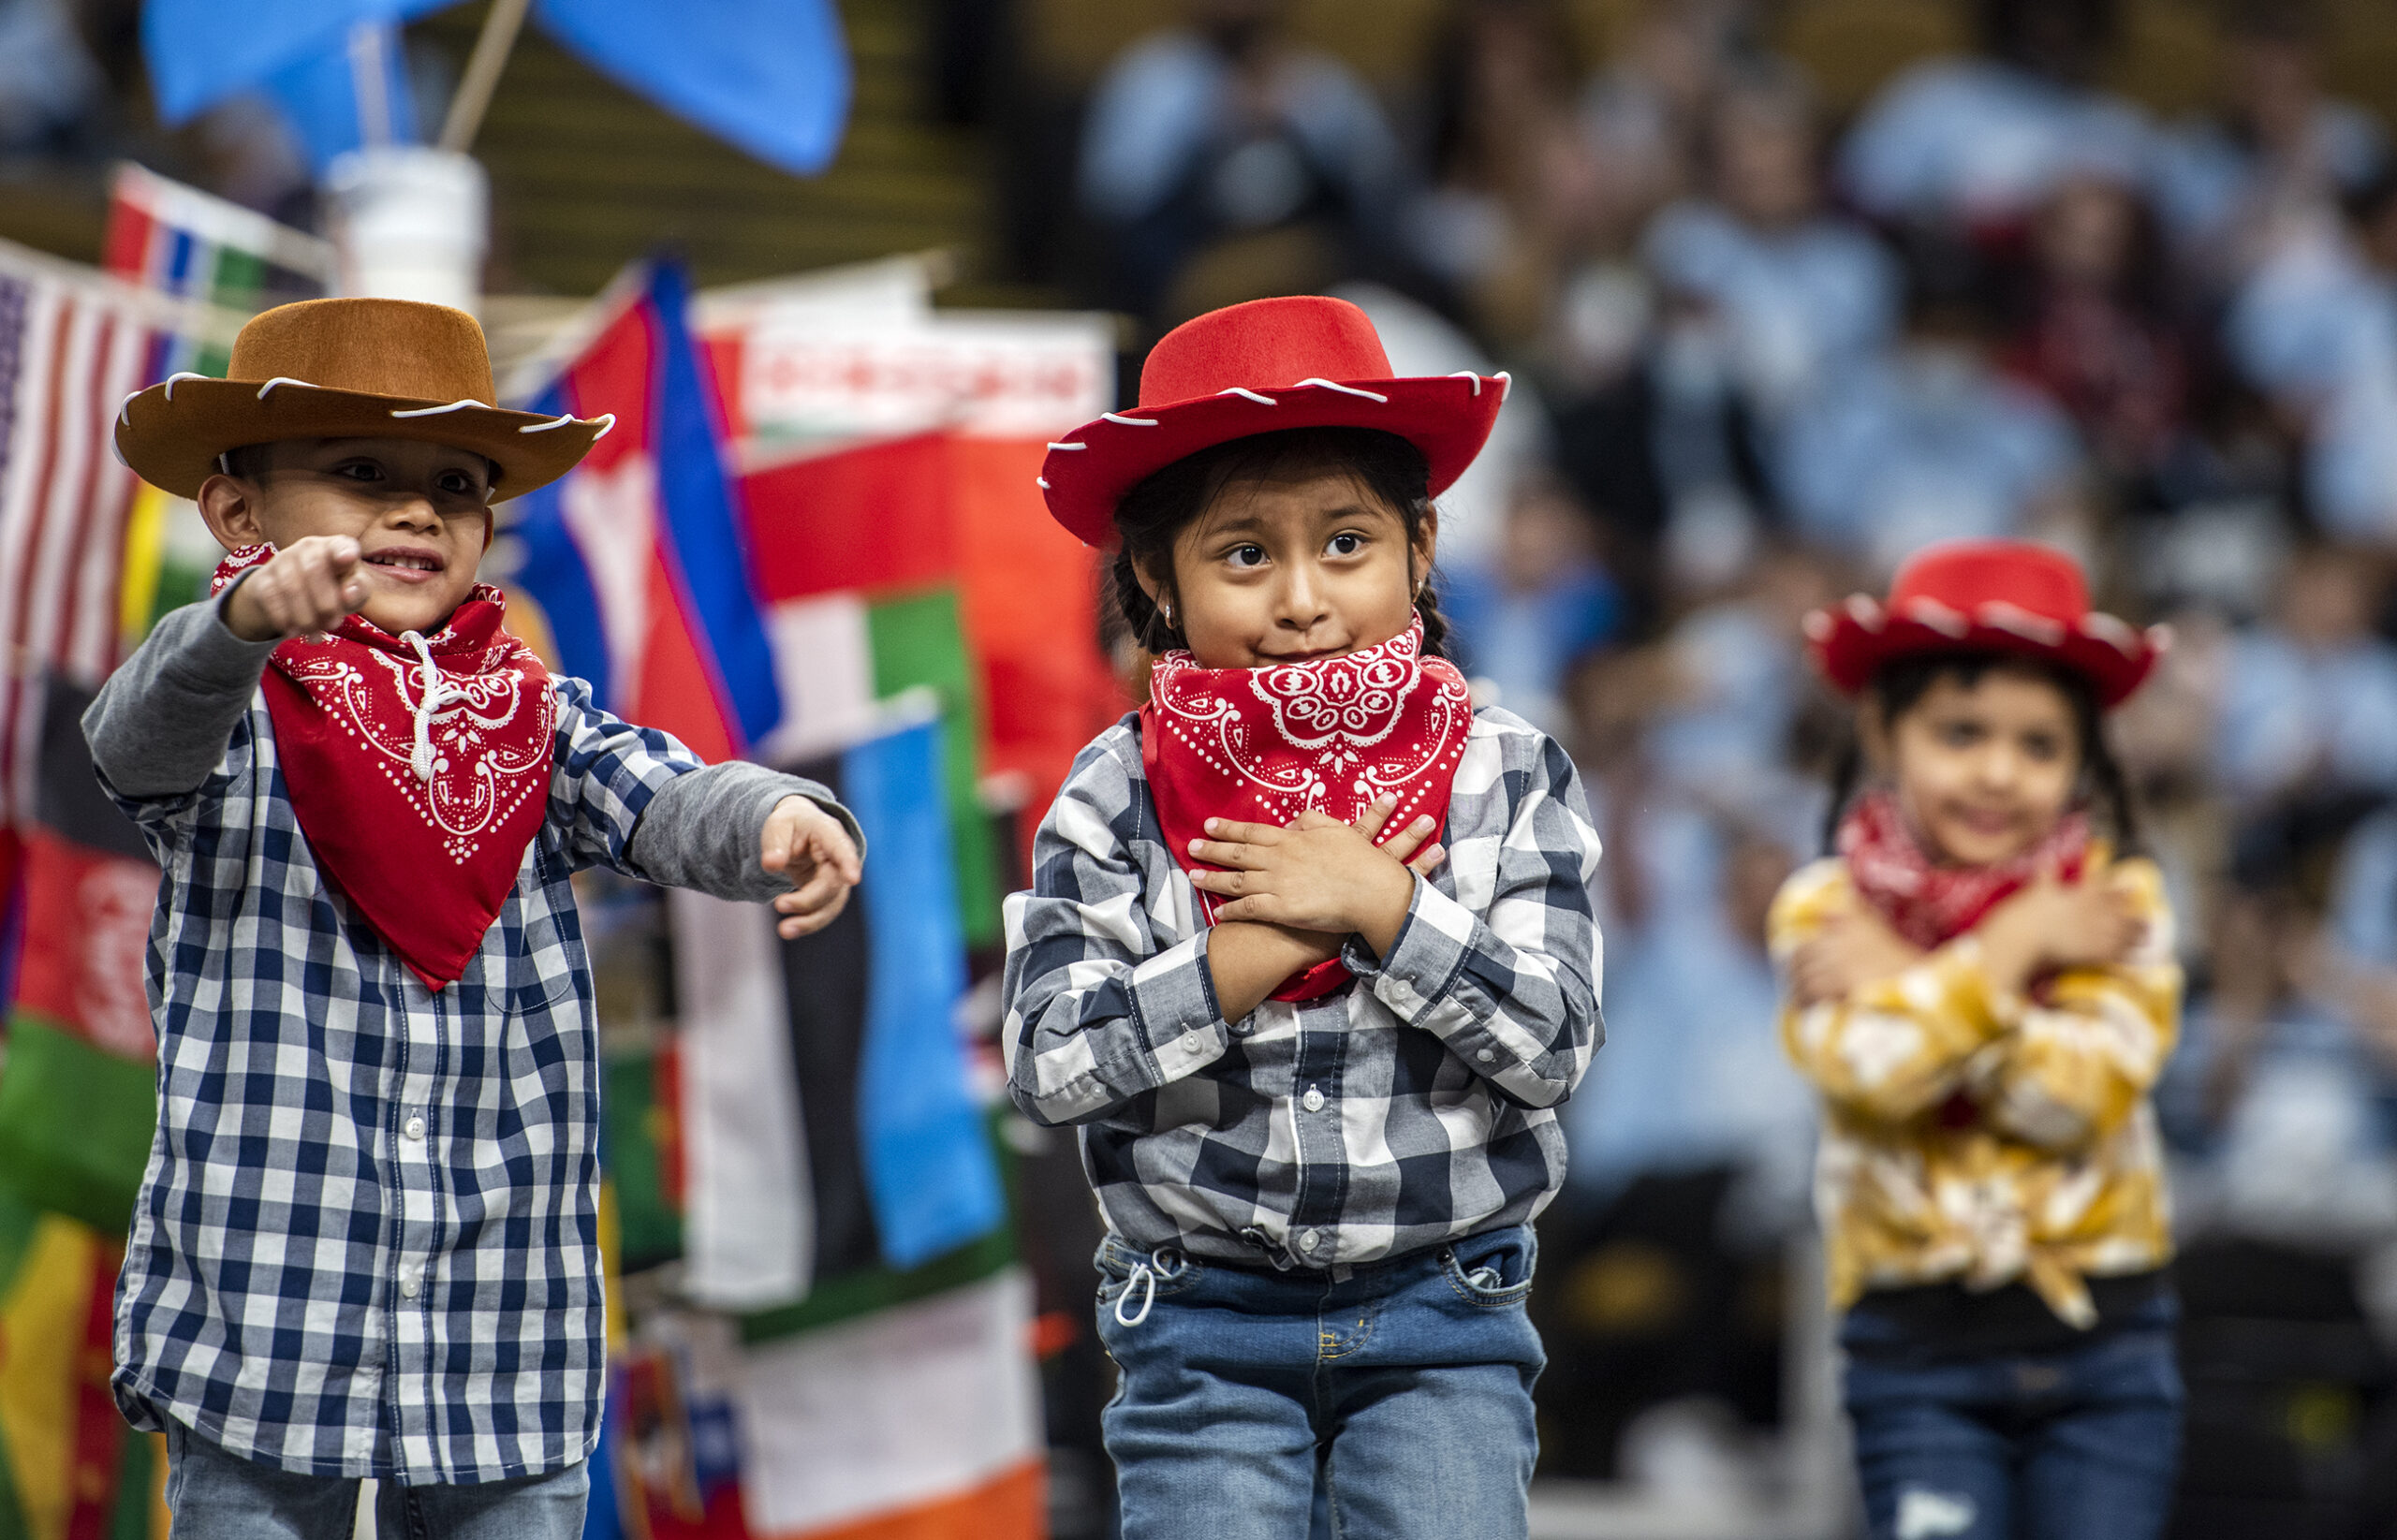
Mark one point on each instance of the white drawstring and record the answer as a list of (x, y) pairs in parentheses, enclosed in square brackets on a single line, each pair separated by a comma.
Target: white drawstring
[(434, 692), (1144, 1278)]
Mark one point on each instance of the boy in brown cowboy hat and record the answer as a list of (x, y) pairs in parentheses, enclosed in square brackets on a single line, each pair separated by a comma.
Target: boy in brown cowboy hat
[(367, 1243)]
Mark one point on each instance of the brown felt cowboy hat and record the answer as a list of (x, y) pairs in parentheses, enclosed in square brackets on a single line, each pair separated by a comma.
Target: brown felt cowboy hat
[(348, 369)]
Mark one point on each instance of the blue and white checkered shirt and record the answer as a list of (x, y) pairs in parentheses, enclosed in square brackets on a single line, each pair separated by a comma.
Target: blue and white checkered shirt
[(367, 1241), (1414, 1108)]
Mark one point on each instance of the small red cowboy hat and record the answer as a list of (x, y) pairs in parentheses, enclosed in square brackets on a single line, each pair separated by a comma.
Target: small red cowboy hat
[(1986, 596), (1255, 368)]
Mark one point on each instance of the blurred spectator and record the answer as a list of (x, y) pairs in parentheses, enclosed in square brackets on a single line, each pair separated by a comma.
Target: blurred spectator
[(2230, 186), (1734, 680), (1512, 183), (1932, 443), (1227, 128), (1643, 112), (1802, 295), (1698, 1078), (2308, 709), (49, 85), (1974, 144), (2094, 332), (2315, 328), (1522, 623)]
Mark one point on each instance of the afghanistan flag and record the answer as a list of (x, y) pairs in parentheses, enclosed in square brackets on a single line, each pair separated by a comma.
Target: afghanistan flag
[(77, 1096)]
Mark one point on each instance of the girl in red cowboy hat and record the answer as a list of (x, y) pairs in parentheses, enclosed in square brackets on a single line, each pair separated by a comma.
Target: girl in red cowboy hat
[(1309, 955), (1982, 986)]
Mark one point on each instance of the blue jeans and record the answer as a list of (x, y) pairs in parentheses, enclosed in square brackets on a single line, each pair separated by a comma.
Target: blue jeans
[(214, 1495), (2045, 1446), (1409, 1382)]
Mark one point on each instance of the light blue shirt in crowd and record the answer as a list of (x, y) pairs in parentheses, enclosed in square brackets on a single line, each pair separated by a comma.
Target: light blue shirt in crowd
[(2316, 326), (1169, 97), (2204, 174), (2287, 714), (1800, 305), (1692, 1073), (1926, 445), (1980, 139)]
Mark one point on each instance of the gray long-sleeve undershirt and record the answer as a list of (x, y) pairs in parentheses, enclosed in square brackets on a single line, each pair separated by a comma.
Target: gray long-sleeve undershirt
[(161, 723)]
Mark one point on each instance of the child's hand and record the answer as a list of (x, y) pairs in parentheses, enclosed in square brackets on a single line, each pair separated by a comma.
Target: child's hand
[(2054, 924), (815, 856), (310, 585), (1854, 949), (1318, 873)]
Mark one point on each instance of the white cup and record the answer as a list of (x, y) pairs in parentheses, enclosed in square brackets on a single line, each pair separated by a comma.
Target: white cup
[(409, 222)]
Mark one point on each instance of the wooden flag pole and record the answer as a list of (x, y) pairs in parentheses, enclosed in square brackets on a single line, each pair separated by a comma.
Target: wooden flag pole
[(483, 66)]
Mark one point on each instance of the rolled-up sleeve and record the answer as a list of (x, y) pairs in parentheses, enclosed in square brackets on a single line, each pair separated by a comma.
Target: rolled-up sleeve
[(1101, 1007), (1513, 994), (606, 772)]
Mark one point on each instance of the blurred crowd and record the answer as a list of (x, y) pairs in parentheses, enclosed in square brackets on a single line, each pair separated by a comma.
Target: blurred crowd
[(1768, 355)]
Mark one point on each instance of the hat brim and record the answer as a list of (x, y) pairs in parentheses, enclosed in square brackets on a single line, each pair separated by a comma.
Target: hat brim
[(1851, 642), (171, 433), (1447, 417)]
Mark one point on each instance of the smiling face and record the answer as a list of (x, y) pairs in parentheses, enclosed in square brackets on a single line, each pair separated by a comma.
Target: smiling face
[(1288, 569), (1984, 770), (420, 514)]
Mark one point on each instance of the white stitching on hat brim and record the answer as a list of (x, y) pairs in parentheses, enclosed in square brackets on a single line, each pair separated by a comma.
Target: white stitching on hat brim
[(1999, 615), (436, 411)]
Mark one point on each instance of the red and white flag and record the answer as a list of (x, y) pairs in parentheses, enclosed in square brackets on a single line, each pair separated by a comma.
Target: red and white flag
[(71, 349)]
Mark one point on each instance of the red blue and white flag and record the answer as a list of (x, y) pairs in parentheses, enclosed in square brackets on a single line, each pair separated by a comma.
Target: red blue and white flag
[(636, 559)]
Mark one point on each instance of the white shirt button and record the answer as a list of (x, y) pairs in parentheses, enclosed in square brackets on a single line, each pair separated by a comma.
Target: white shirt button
[(1485, 1056), (1308, 1240), (408, 1285), (1313, 1100), (1192, 1042), (415, 1128)]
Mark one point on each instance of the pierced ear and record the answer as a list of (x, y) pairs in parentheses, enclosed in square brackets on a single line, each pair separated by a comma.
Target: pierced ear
[(230, 506)]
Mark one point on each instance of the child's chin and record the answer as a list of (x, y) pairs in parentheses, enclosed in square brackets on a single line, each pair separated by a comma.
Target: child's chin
[(425, 615)]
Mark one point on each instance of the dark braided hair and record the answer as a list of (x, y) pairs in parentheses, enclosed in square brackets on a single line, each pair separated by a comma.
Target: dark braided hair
[(1900, 686), (1153, 515)]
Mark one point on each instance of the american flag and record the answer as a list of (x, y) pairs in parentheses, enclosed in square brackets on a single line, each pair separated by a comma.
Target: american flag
[(73, 345)]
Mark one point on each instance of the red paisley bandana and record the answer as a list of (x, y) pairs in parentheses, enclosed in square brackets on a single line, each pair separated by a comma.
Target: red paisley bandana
[(418, 768), (1263, 745), (1930, 904)]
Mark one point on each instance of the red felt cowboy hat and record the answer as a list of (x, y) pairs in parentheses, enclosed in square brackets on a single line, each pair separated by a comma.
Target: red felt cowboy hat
[(1255, 368), (1986, 596)]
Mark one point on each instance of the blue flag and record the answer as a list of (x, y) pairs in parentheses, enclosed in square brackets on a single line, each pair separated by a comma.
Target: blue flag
[(928, 1165), (320, 95), (201, 52), (770, 76)]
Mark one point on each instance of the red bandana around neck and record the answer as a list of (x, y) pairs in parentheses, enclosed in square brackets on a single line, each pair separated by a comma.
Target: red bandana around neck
[(418, 768), (1930, 904), (1263, 745)]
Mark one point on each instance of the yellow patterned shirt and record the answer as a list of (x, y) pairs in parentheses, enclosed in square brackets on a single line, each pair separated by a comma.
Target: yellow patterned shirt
[(1978, 1137)]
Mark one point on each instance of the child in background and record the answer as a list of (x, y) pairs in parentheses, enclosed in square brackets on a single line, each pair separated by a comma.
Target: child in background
[(1982, 985), (367, 1243), (1316, 1064)]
